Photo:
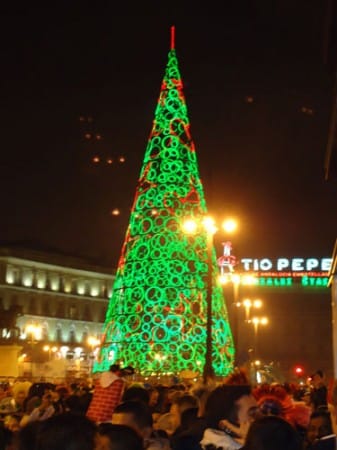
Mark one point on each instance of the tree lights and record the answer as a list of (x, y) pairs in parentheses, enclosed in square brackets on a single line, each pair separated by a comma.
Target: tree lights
[(159, 300)]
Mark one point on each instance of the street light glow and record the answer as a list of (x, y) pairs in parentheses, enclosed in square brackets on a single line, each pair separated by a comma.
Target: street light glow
[(260, 320), (209, 225), (190, 226), (229, 225)]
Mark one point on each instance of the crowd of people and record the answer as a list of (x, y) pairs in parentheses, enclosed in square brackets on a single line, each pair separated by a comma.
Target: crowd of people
[(116, 413)]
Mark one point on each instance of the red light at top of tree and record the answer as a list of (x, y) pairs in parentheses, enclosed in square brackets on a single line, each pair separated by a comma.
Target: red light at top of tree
[(298, 370)]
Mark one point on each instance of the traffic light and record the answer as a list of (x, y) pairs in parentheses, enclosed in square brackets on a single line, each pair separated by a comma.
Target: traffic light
[(298, 371)]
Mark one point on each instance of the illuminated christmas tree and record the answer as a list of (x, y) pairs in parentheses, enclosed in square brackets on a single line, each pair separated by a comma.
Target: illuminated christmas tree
[(156, 320)]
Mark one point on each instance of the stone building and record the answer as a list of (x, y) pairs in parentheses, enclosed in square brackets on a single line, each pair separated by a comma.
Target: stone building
[(52, 305)]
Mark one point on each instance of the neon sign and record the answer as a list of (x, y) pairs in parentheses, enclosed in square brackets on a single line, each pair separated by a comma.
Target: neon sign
[(280, 264), (288, 272)]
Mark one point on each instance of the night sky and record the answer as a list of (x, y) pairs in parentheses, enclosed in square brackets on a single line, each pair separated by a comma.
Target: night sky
[(259, 97)]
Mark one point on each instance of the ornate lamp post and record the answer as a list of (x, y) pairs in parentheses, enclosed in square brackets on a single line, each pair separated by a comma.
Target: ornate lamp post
[(209, 226), (257, 321)]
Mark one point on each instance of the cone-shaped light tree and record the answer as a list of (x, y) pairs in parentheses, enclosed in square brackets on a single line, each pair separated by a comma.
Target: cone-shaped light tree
[(157, 315)]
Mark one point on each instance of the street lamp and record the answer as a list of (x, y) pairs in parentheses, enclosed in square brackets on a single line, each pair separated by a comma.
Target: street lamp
[(248, 304), (50, 350), (93, 342), (257, 321), (190, 226)]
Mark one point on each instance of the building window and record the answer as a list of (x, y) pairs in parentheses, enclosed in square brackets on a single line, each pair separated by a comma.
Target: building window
[(12, 275), (41, 280), (59, 337), (72, 311), (72, 335), (87, 313), (81, 288), (27, 277), (60, 309), (54, 282), (67, 284), (85, 336)]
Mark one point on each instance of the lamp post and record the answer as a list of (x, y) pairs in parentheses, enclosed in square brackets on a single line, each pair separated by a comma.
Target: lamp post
[(93, 342), (208, 367), (257, 321), (51, 350), (248, 304), (208, 225)]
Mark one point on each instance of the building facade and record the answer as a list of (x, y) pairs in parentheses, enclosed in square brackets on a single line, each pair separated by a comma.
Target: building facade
[(52, 305)]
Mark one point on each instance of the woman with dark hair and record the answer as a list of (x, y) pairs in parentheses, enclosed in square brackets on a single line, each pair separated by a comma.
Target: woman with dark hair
[(272, 432)]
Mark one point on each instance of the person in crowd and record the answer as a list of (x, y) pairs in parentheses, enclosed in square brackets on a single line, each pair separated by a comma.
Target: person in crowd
[(107, 395), (31, 404), (136, 392), (229, 411), (78, 400), (272, 433), (153, 398), (137, 415), (67, 432), (320, 434), (278, 400), (14, 402), (184, 411), (117, 437), (44, 410), (59, 396), (27, 435), (188, 435), (319, 392)]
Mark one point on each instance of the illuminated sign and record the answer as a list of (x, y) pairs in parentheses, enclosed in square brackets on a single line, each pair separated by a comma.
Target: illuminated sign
[(288, 272), (281, 264)]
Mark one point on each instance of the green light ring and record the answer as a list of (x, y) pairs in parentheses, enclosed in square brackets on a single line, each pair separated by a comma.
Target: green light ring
[(155, 254), (152, 293), (147, 225), (133, 322), (142, 253), (170, 292), (151, 280), (159, 334), (147, 318), (170, 166), (145, 337), (146, 326), (161, 178), (161, 282), (169, 154)]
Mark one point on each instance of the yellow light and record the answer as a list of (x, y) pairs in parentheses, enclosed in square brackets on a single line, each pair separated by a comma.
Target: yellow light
[(225, 278), (230, 225), (236, 278), (260, 320), (257, 303), (190, 226), (92, 341), (248, 280), (247, 303), (35, 331), (209, 225)]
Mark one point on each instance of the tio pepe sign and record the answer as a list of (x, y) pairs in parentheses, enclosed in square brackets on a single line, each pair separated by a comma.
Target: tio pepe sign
[(284, 264)]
